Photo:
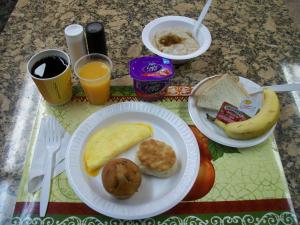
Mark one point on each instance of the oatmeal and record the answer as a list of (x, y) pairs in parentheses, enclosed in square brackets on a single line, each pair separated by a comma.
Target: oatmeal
[(175, 42)]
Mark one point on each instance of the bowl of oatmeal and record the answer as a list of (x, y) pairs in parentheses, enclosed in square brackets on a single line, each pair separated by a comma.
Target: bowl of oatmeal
[(171, 37)]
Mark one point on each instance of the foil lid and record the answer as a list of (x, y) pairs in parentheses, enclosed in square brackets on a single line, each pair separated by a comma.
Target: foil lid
[(151, 68)]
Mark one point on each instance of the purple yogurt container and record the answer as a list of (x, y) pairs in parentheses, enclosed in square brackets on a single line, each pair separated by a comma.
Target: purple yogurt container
[(151, 76)]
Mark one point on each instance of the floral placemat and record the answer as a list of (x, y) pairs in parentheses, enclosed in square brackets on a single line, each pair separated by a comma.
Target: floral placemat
[(234, 186)]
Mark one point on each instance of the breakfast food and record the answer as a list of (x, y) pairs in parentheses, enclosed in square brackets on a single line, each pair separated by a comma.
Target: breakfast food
[(175, 41), (121, 178), (156, 158), (263, 121), (151, 76), (258, 125), (212, 93), (49, 67), (94, 76), (108, 142)]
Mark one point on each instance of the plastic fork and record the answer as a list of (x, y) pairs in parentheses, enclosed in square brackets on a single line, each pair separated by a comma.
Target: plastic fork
[(52, 143)]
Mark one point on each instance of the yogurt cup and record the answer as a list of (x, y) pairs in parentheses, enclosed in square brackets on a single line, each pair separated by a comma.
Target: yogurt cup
[(151, 76)]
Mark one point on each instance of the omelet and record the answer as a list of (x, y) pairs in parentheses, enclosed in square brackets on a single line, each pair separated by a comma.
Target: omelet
[(109, 142)]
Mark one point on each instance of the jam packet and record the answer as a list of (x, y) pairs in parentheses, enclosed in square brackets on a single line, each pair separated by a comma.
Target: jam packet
[(229, 113)]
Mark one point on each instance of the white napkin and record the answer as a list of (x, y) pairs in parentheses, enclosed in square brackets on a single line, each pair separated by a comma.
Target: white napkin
[(36, 172)]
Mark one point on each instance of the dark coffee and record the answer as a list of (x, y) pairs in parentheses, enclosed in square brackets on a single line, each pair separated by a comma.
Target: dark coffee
[(48, 67)]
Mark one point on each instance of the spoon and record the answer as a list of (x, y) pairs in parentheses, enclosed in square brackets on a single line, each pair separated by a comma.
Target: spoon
[(200, 18)]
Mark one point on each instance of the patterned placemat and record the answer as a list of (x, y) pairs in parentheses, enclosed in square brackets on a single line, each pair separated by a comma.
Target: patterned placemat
[(234, 186)]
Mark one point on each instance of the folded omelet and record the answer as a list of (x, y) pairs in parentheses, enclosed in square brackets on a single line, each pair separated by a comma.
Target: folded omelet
[(109, 142)]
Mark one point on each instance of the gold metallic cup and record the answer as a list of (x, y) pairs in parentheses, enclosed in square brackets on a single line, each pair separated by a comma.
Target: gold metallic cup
[(56, 90)]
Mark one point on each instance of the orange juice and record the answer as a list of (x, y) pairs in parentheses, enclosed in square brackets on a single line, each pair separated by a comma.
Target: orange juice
[(95, 80)]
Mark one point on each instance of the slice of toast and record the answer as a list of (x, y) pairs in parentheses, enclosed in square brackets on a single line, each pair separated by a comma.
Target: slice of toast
[(220, 89), (206, 85)]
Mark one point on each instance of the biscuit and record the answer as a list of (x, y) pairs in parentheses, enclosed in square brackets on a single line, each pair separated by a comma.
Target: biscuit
[(156, 158)]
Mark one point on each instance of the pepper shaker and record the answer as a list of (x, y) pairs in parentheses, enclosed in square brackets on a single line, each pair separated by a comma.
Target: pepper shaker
[(95, 37)]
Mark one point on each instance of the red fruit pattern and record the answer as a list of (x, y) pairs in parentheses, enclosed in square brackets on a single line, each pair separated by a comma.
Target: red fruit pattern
[(206, 175)]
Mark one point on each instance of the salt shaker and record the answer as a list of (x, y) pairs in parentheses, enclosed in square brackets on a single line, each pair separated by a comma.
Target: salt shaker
[(74, 34)]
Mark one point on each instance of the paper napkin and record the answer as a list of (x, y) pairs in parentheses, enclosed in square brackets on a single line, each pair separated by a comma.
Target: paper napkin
[(36, 172)]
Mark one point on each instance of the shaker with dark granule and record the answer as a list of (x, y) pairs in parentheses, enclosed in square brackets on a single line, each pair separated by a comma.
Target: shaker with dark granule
[(95, 37)]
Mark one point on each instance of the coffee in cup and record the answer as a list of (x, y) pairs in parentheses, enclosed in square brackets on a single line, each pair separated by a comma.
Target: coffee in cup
[(50, 70)]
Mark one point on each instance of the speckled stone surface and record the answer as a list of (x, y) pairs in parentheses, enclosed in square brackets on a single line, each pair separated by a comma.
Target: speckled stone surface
[(254, 39), (6, 7)]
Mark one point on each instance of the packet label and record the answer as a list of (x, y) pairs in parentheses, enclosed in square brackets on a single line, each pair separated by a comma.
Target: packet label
[(250, 105), (229, 113)]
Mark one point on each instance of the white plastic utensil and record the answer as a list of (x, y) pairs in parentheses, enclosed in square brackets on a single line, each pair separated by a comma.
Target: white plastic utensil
[(277, 88), (200, 18), (52, 143)]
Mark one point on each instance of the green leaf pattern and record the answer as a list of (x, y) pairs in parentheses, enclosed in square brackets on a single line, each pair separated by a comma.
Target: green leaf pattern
[(217, 150)]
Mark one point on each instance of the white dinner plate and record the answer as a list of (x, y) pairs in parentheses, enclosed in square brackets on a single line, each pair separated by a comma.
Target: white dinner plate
[(155, 195), (215, 133)]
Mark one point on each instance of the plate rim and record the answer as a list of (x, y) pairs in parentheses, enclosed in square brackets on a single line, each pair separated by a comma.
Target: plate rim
[(192, 154), (229, 142)]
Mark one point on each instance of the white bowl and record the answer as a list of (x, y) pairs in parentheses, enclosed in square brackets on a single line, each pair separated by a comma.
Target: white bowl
[(167, 22)]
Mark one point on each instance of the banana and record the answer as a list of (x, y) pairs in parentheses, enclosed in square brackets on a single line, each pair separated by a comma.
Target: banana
[(218, 122), (256, 126)]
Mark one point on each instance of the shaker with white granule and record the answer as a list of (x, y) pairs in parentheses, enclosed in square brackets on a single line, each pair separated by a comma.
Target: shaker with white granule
[(76, 42)]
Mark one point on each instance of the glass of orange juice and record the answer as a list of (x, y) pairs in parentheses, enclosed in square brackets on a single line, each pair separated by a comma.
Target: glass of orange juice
[(94, 72)]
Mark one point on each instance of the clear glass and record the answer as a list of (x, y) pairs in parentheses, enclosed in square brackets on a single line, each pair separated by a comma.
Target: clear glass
[(94, 81)]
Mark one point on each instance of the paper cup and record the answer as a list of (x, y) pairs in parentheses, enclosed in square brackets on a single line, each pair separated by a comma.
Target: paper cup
[(56, 90)]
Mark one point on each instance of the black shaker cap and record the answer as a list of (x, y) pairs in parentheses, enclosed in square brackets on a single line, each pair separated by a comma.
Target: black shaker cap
[(95, 36)]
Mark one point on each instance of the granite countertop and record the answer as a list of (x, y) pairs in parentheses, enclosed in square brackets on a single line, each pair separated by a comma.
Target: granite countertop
[(253, 39)]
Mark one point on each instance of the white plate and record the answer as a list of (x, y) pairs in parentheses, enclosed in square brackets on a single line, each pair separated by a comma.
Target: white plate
[(215, 133), (155, 195)]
